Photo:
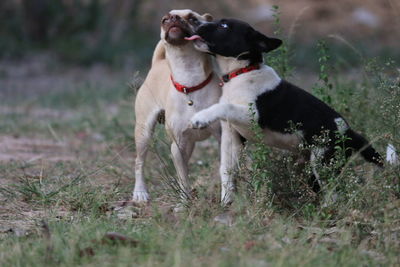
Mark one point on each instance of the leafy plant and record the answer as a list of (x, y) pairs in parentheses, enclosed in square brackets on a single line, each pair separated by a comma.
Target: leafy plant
[(281, 57), (324, 90)]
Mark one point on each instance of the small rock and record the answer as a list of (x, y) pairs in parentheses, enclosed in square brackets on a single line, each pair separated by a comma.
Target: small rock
[(224, 249), (179, 208), (286, 240), (224, 218), (126, 214)]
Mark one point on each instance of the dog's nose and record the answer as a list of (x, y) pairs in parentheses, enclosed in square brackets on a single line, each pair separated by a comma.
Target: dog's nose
[(175, 18)]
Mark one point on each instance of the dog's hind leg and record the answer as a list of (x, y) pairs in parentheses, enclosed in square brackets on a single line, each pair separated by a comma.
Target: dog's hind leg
[(181, 151), (144, 127), (314, 181)]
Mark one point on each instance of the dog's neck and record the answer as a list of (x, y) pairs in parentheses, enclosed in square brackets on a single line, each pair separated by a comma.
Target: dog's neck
[(264, 78), (188, 66), (229, 64)]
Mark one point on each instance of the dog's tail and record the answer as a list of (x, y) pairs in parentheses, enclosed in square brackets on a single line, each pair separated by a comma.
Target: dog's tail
[(159, 53), (360, 144), (391, 155)]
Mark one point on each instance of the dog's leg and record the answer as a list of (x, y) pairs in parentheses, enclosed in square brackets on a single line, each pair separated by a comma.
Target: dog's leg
[(316, 156), (231, 146), (144, 128), (181, 152), (229, 112), (215, 130)]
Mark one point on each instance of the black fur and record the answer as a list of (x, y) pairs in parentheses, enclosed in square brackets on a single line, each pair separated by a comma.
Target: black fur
[(244, 42), (285, 106), (288, 107)]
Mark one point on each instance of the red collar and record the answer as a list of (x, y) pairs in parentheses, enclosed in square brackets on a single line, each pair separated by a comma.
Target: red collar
[(227, 77), (187, 90)]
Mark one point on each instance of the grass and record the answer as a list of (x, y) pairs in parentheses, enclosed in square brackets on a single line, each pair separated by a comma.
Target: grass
[(60, 212)]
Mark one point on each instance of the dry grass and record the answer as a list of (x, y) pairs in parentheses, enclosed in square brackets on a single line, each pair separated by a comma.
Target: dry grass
[(66, 175)]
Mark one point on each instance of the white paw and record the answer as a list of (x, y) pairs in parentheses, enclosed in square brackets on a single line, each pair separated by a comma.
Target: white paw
[(140, 196), (227, 193), (226, 200), (199, 121)]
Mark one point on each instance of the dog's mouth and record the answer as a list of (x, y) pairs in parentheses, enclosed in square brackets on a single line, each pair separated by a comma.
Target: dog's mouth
[(194, 37), (199, 43), (177, 31)]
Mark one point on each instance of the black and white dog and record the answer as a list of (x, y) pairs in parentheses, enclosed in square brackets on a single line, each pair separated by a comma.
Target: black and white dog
[(277, 104)]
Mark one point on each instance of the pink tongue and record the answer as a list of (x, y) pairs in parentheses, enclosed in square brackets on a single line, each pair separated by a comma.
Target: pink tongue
[(192, 38)]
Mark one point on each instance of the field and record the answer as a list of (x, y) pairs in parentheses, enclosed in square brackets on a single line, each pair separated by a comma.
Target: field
[(66, 175), (67, 172)]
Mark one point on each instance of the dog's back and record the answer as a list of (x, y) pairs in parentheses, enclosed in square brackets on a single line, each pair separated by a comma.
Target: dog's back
[(159, 53), (151, 96)]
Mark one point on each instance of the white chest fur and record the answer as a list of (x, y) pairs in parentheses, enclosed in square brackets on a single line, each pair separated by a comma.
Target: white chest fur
[(245, 88)]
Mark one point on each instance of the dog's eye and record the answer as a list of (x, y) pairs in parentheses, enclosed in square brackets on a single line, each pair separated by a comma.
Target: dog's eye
[(164, 20), (194, 20), (223, 25)]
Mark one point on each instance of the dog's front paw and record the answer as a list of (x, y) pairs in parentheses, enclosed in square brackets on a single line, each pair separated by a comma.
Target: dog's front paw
[(199, 121), (140, 196), (227, 192)]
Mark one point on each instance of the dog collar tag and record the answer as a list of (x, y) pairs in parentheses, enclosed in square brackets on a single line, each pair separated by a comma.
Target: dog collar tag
[(187, 90), (225, 78), (190, 101)]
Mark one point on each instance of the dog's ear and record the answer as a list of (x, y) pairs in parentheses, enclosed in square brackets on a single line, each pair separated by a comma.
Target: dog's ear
[(264, 43), (208, 17)]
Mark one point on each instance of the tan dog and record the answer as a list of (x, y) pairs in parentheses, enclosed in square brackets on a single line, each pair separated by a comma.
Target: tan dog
[(176, 65)]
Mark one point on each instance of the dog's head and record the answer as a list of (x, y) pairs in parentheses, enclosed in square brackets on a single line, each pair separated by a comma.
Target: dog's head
[(233, 38), (178, 24)]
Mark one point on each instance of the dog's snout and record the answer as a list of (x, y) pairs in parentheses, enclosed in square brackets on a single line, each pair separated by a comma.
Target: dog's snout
[(200, 28), (175, 18), (171, 18)]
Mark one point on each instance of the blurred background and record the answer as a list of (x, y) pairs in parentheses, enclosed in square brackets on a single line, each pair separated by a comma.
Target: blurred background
[(98, 47), (122, 33)]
